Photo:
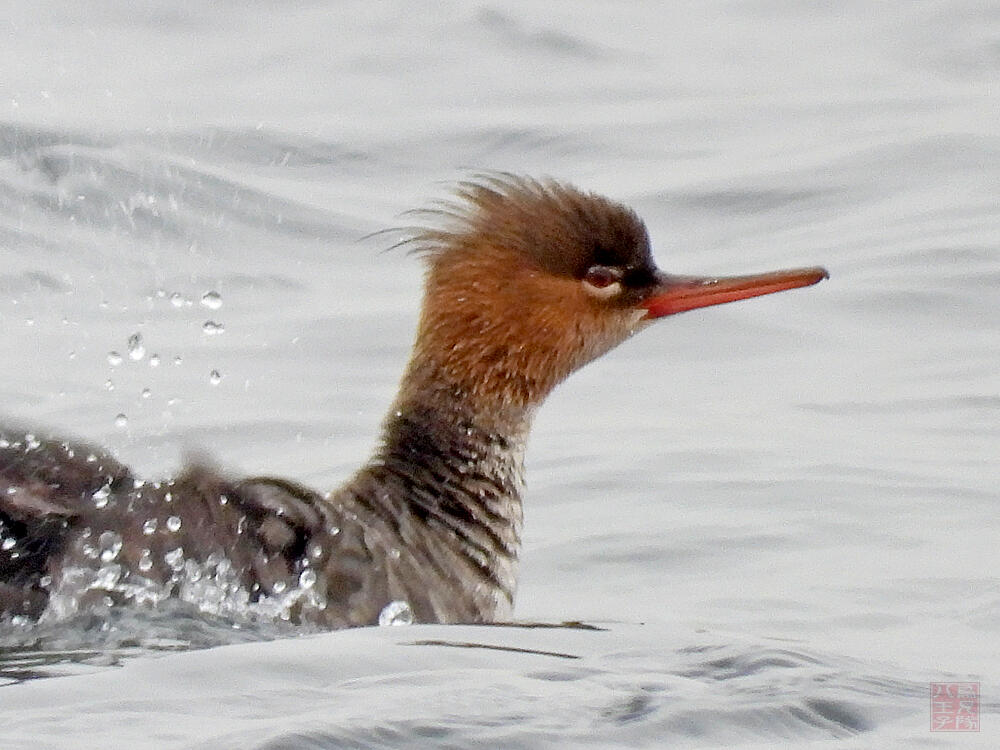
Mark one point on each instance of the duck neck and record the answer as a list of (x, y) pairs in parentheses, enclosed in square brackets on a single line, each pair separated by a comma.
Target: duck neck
[(457, 474), (459, 462)]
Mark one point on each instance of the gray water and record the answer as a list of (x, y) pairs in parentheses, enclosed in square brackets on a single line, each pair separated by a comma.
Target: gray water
[(781, 514)]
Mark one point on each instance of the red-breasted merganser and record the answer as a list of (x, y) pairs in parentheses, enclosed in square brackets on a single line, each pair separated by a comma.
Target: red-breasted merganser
[(527, 280)]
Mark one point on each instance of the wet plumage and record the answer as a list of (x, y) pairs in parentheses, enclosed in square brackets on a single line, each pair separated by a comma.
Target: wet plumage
[(526, 282)]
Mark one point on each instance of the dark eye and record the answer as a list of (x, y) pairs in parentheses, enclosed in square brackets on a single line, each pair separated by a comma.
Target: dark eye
[(600, 277)]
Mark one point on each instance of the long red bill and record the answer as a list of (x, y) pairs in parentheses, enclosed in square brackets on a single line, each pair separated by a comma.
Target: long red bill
[(676, 294)]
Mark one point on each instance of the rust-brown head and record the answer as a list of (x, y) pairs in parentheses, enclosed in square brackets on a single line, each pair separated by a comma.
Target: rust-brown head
[(528, 280)]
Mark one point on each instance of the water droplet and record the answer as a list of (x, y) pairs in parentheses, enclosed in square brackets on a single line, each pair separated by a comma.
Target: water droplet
[(146, 393), (72, 355), (136, 349), (107, 577), (307, 579), (215, 377), (149, 527), (108, 385), (211, 328), (177, 299), (173, 523), (114, 359), (177, 360), (212, 300), (154, 360), (315, 550), (30, 442), (175, 558), (395, 613), (45, 581), (101, 496), (223, 500), (8, 543), (110, 545), (279, 587), (121, 421), (145, 561)]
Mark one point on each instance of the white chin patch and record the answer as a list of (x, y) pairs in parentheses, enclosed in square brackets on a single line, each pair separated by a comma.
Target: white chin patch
[(639, 321)]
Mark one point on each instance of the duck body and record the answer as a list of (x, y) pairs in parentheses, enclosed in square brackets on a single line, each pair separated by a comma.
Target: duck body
[(438, 531), (526, 282)]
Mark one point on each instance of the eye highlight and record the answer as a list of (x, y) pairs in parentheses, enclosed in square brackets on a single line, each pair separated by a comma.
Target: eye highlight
[(602, 281)]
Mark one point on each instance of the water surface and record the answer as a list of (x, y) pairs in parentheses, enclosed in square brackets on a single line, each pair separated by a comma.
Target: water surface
[(781, 514)]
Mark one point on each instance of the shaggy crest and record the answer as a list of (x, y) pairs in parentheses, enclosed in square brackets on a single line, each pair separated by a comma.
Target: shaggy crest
[(562, 230)]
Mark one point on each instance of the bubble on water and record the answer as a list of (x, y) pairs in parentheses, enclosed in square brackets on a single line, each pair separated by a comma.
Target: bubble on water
[(173, 523), (121, 421), (31, 442), (397, 612), (149, 527), (307, 579), (114, 359), (101, 496), (108, 385), (279, 586), (145, 561), (154, 360), (8, 543), (136, 349), (177, 360), (211, 328), (177, 299), (193, 572), (212, 300), (215, 377)]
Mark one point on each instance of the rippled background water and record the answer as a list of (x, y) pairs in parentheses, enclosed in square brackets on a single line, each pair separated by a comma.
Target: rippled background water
[(783, 513)]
